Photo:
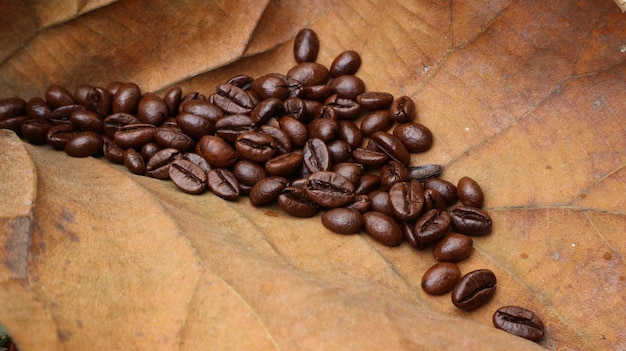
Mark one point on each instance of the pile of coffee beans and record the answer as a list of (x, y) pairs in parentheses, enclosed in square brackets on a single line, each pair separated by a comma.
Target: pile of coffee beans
[(311, 140)]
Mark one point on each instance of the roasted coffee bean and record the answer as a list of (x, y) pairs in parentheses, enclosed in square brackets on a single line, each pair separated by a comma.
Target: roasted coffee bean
[(275, 85), (216, 151), (407, 200), (470, 193), (62, 114), (285, 164), (380, 202), (453, 247), (383, 228), (346, 63), (152, 110), (35, 130), (255, 146), (470, 220), (58, 136), (347, 86), (474, 289), (13, 123), (350, 133), (309, 73), (296, 108), (172, 98), (432, 225), (402, 110), (323, 129), (158, 165), (194, 126), (440, 278), (232, 99), (84, 144), (126, 98), (248, 172), (329, 189), (114, 122), (87, 121), (242, 81), (36, 107), (316, 156), (197, 160), (134, 162), (283, 143), (191, 96), (343, 220), (520, 322), (392, 147), (367, 184), (267, 190), (204, 109), (134, 135), (98, 100), (410, 235), (316, 92), (229, 127), (392, 173), (352, 171), (339, 151), (416, 137), (360, 203), (423, 172), (57, 96), (296, 130), (375, 121), (113, 87), (306, 46), (112, 151), (444, 187), (344, 108), (266, 109), (12, 107), (80, 94), (148, 150), (173, 138), (326, 112), (369, 158), (372, 100), (188, 176), (432, 199), (223, 183), (295, 202)]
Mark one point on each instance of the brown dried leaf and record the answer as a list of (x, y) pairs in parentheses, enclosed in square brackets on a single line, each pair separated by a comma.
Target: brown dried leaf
[(524, 97)]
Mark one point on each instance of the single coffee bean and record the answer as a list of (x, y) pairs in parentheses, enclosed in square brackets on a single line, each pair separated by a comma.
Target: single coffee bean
[(423, 172), (316, 156), (285, 164), (12, 107), (369, 158), (114, 122), (367, 184), (380, 202), (242, 81), (173, 138), (375, 121), (58, 136), (440, 278), (232, 100), (203, 108), (343, 220), (392, 173), (295, 202), (520, 322), (87, 121), (323, 129), (329, 189), (309, 73), (306, 46), (392, 147), (350, 170), (432, 199), (344, 108), (126, 98), (248, 172), (256, 146), (188, 176), (172, 98), (266, 109), (432, 225), (194, 126), (134, 162), (350, 133), (216, 151), (444, 187), (223, 183), (361, 203), (410, 235), (283, 143), (62, 114), (267, 190), (416, 137), (296, 130), (35, 130), (197, 160), (148, 150), (81, 92), (470, 193), (13, 123), (112, 151), (453, 247), (113, 87), (57, 96), (84, 144), (406, 200), (371, 100), (339, 151), (159, 164), (36, 107), (191, 96), (470, 220), (152, 110), (98, 100), (316, 92), (474, 289), (347, 86), (275, 85), (134, 135), (402, 110), (346, 63), (383, 228), (229, 127)]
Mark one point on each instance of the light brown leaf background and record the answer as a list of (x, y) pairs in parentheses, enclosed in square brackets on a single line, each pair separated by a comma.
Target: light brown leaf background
[(526, 97)]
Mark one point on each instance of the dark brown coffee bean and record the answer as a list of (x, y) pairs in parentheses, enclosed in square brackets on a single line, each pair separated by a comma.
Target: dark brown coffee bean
[(350, 170), (361, 203), (380, 202), (316, 92), (423, 172), (58, 136), (316, 156), (444, 187), (232, 99), (295, 202), (369, 158), (87, 121), (84, 144), (470, 220), (350, 133), (347, 86), (520, 322), (344, 108), (407, 200), (275, 85), (343, 220), (134, 162), (432, 199), (416, 137), (283, 143), (285, 164), (329, 189), (453, 247), (203, 108), (267, 190), (309, 73), (35, 130), (229, 127), (159, 164), (126, 98), (440, 278), (57, 96), (255, 146), (266, 109), (432, 225), (248, 172), (383, 228), (392, 173), (470, 193), (12, 107), (114, 122), (152, 110), (98, 100), (191, 96), (81, 92), (367, 183), (223, 183), (323, 129), (371, 100), (188, 176), (375, 121), (134, 135), (296, 108), (197, 160), (392, 147), (346, 63), (242, 81), (339, 151), (298, 182), (216, 151), (113, 87), (173, 138), (296, 130), (13, 123), (475, 289), (194, 126), (62, 114), (410, 235), (112, 151), (148, 150), (402, 110), (36, 107), (306, 46), (172, 98)]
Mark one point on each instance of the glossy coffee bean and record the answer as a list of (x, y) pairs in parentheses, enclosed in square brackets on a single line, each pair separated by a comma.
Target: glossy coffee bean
[(87, 121), (285, 164), (423, 172), (347, 86), (12, 107), (256, 146), (474, 289), (470, 193), (416, 137), (375, 121), (35, 130), (296, 130), (392, 173), (126, 99), (329, 189), (112, 151), (187, 176), (350, 170), (62, 114), (346, 63), (383, 228), (81, 92), (268, 108), (371, 100), (148, 150), (392, 147), (113, 87), (406, 200), (37, 107), (520, 322), (369, 158), (13, 123), (432, 199), (134, 135), (84, 144), (203, 108), (232, 99), (98, 100), (361, 203), (223, 183), (410, 235), (309, 73), (152, 110), (350, 133), (306, 46), (381, 202), (172, 98), (470, 220), (173, 138), (344, 108), (57, 96), (316, 156), (248, 172), (216, 151), (275, 85), (339, 151), (402, 110), (159, 164), (283, 143), (316, 92), (267, 190), (242, 81), (229, 127), (367, 184), (58, 136), (295, 202), (114, 122), (134, 162), (323, 129), (453, 247), (440, 278), (432, 225), (343, 220), (444, 187)]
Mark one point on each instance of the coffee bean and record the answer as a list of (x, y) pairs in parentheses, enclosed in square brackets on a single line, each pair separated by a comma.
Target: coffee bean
[(474, 289), (360, 203), (295, 202), (520, 322), (444, 187), (392, 147), (36, 107), (216, 151), (255, 146), (432, 199), (453, 247), (346, 63), (62, 114), (58, 135), (407, 200), (369, 158), (323, 128), (381, 202), (229, 127), (98, 100), (410, 235), (329, 189), (423, 172), (316, 92), (267, 190), (232, 100), (152, 110), (283, 143), (187, 176), (383, 228), (242, 81), (148, 150), (316, 156), (134, 135), (203, 108), (309, 73), (12, 107), (134, 162), (367, 184), (347, 86), (440, 278), (84, 144), (402, 110), (339, 151), (470, 193), (470, 220), (344, 108), (87, 121), (223, 183), (416, 137), (81, 92), (126, 98), (392, 173), (112, 151), (375, 121), (371, 100), (113, 87), (432, 225), (350, 133), (248, 172), (172, 98), (173, 138), (343, 220), (35, 130), (266, 109), (158, 165), (350, 170), (296, 130), (114, 122), (275, 85), (306, 46), (57, 96), (285, 164)]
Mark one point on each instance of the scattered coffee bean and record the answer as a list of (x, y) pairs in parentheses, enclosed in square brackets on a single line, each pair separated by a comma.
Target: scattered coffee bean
[(441, 278), (383, 228), (343, 220), (453, 247), (520, 322), (470, 193), (188, 176), (470, 220), (475, 289)]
